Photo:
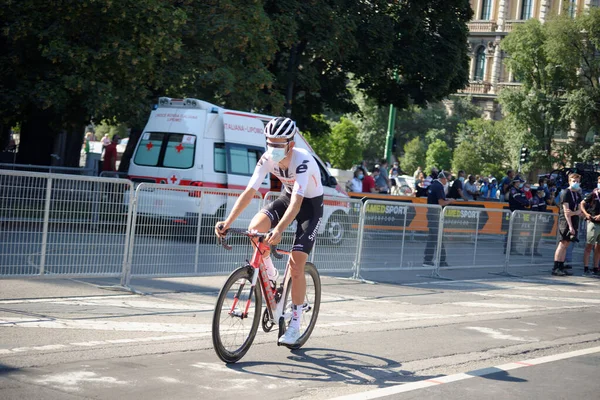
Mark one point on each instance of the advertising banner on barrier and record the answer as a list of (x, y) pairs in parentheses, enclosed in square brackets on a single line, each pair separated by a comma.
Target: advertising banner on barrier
[(484, 213)]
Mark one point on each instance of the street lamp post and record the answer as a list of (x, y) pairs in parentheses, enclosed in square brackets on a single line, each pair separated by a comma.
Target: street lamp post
[(389, 139)]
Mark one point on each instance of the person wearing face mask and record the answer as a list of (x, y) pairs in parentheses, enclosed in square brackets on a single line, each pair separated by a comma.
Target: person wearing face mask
[(356, 184), (527, 191), (568, 221), (516, 201), (590, 208), (537, 204), (543, 184), (301, 200)]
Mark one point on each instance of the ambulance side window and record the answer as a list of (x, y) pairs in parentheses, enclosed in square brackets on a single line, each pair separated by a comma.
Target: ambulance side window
[(220, 161), (180, 151), (242, 159), (149, 149)]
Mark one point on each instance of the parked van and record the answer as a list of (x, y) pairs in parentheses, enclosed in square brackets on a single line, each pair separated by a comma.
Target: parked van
[(192, 142)]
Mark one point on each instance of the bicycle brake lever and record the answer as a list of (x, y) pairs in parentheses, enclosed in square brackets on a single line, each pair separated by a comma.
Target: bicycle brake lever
[(275, 254)]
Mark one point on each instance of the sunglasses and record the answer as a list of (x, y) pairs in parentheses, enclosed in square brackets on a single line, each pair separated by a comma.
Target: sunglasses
[(277, 145)]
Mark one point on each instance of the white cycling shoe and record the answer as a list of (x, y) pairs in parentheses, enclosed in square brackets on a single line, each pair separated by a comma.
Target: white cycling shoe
[(290, 336)]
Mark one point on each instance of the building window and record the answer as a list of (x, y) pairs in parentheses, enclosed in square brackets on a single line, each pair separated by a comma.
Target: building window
[(572, 8), (486, 9), (526, 9), (480, 64)]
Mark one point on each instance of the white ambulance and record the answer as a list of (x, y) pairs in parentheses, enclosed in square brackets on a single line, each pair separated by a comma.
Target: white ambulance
[(195, 143)]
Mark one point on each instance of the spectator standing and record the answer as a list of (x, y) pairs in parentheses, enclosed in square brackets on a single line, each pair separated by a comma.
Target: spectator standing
[(435, 195), (356, 184), (506, 184), (430, 178), (516, 201), (470, 191), (543, 185), (110, 155), (456, 190), (590, 208), (484, 190), (552, 189), (395, 171), (527, 190), (568, 222), (368, 183), (537, 204), (105, 140), (383, 172), (381, 185), (493, 189), (417, 172), (89, 137)]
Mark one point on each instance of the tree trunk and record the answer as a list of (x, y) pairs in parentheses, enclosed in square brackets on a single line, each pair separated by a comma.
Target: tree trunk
[(73, 146), (134, 137), (37, 139)]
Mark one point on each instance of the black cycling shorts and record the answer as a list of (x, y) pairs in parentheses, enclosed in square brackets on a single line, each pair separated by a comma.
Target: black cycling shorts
[(309, 218)]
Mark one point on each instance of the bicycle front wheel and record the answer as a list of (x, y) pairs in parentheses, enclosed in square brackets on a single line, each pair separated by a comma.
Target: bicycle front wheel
[(236, 316), (311, 306)]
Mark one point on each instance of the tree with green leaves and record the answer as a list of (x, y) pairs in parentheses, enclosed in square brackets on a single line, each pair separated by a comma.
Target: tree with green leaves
[(439, 155), (558, 64), (67, 62), (481, 148), (415, 153), (344, 148)]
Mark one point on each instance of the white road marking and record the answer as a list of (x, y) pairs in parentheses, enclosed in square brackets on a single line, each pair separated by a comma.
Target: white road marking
[(546, 298), (71, 381), (490, 305), (102, 325), (55, 299), (494, 334), (408, 387)]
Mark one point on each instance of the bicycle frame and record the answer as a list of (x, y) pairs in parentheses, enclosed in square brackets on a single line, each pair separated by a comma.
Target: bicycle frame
[(275, 308)]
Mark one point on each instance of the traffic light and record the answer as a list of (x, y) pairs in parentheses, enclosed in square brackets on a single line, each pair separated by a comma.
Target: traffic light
[(524, 154)]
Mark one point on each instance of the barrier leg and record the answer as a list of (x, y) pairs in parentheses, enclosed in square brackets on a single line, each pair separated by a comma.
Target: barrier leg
[(508, 248), (435, 272), (356, 267)]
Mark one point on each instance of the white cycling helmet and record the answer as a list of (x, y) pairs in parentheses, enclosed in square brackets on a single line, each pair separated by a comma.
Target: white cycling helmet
[(280, 128)]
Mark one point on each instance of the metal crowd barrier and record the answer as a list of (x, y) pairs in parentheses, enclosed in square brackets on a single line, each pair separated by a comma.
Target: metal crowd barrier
[(473, 237), (173, 231), (532, 241), (62, 225), (51, 169), (396, 236), (337, 241), (74, 226)]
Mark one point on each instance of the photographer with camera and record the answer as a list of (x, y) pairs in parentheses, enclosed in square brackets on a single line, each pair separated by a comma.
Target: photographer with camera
[(568, 221)]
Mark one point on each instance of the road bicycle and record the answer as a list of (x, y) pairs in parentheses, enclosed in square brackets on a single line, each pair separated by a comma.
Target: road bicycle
[(238, 309)]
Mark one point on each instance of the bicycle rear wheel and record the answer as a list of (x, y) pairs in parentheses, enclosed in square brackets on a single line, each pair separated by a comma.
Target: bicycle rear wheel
[(234, 327), (311, 306)]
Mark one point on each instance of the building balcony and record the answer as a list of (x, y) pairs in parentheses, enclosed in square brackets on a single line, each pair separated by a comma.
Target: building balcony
[(510, 25), (482, 26), (507, 85), (477, 87)]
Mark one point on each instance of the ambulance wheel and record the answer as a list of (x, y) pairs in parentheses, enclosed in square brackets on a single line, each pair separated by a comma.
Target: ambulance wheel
[(335, 229)]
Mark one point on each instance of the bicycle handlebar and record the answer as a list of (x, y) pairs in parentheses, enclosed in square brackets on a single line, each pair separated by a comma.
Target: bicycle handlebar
[(250, 234)]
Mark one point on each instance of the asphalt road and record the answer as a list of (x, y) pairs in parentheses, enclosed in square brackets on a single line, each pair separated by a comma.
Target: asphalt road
[(65, 339)]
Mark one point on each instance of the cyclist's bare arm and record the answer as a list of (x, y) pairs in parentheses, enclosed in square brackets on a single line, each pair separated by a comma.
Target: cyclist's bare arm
[(240, 205), (285, 221)]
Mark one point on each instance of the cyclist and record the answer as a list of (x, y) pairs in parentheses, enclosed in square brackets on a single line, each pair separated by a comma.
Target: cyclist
[(301, 200)]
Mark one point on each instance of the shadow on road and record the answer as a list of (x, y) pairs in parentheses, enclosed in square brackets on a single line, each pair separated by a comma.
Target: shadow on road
[(333, 365)]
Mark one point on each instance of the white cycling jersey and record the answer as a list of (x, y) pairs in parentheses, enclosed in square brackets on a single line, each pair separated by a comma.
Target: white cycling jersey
[(302, 176)]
